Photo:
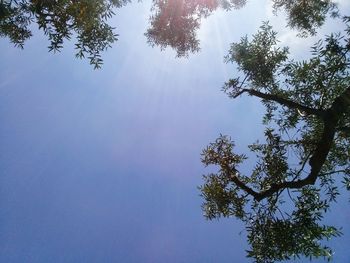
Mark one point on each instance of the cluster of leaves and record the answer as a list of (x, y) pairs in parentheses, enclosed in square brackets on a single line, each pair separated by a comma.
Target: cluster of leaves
[(257, 59), (274, 238), (306, 16), (60, 20), (175, 22), (283, 200)]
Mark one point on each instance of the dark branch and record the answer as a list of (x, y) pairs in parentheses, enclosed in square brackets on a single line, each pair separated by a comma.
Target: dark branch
[(323, 146), (334, 172), (240, 184), (316, 161), (282, 101)]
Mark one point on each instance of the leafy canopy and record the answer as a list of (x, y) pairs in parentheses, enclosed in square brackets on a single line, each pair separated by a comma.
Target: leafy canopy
[(60, 20), (173, 23), (306, 151)]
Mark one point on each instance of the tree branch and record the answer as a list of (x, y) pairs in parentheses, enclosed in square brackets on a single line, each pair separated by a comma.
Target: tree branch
[(330, 118), (240, 184), (316, 161), (334, 172), (282, 101)]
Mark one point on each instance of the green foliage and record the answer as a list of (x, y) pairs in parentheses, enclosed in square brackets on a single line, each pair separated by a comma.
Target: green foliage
[(258, 59), (306, 16), (60, 20), (174, 23), (283, 199), (14, 21), (275, 239)]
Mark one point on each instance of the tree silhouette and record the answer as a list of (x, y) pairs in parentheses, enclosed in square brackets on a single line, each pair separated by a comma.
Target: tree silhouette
[(307, 148)]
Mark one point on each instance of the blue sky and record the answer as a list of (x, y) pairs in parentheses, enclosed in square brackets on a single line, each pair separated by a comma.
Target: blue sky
[(103, 166)]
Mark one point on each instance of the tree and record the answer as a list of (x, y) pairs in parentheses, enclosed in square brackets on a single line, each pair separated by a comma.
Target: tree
[(60, 20), (307, 148)]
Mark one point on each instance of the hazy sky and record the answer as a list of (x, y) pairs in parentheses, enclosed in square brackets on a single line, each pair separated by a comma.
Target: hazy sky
[(103, 165)]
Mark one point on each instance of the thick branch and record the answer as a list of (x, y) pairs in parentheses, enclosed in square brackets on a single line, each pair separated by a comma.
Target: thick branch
[(316, 161), (330, 119), (282, 101), (240, 184)]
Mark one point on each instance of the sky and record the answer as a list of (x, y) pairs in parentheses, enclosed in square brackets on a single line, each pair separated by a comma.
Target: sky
[(103, 165)]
